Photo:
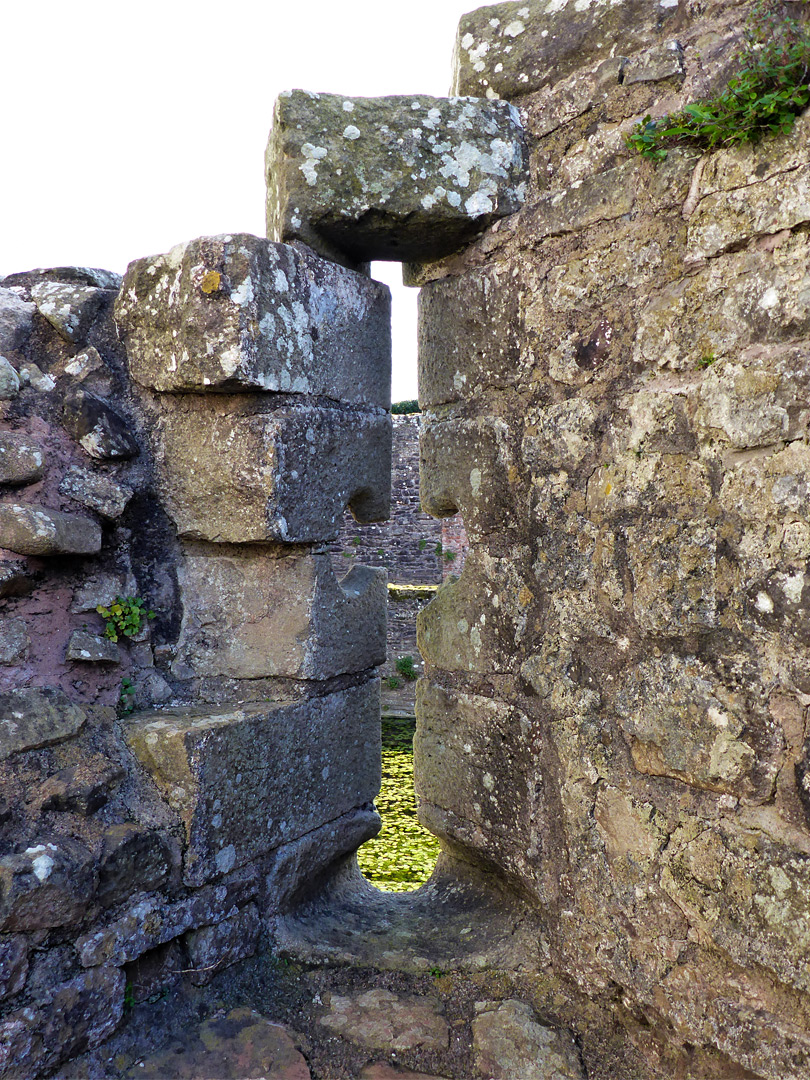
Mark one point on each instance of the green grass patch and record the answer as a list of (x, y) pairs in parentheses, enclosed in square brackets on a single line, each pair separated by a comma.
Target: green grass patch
[(402, 856)]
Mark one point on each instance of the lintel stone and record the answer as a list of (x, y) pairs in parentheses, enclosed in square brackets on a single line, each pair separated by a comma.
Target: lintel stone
[(401, 178)]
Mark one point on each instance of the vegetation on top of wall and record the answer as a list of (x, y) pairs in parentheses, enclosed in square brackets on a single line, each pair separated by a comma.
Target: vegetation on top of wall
[(766, 95), (400, 408)]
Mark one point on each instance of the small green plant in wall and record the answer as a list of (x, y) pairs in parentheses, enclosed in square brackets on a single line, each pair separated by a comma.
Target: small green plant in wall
[(126, 697), (770, 89), (707, 359), (125, 617), (406, 668)]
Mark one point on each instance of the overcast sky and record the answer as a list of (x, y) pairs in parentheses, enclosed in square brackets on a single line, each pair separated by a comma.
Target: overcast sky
[(129, 127)]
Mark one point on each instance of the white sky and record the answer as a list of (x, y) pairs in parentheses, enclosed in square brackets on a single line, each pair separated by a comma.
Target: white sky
[(129, 127)]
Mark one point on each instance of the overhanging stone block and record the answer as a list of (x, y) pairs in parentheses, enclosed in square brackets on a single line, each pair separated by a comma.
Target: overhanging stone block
[(235, 471), (251, 612), (240, 313), (401, 178), (248, 778)]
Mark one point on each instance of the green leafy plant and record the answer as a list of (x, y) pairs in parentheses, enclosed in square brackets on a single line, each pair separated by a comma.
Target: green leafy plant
[(129, 997), (400, 408), (707, 360), (125, 617), (405, 666), (766, 95), (393, 682), (126, 696)]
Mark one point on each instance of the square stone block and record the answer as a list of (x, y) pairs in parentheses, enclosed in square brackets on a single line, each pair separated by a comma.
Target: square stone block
[(241, 313), (248, 778), (399, 178), (235, 471), (251, 612)]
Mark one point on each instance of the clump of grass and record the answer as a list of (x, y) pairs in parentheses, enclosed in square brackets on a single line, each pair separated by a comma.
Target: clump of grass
[(766, 95)]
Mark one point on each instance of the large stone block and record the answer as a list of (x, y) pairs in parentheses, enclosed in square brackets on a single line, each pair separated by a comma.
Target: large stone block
[(247, 779), (68, 308), (30, 529), (507, 50), (241, 313), (468, 336), (47, 885), (250, 612), (234, 471), (34, 717), (401, 178), (475, 761), (22, 460), (468, 466)]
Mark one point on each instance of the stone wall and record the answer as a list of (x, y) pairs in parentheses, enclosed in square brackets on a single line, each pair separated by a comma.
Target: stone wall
[(171, 439), (615, 391)]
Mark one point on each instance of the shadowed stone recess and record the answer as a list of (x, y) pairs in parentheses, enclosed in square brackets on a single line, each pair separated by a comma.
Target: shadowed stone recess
[(240, 313), (402, 178)]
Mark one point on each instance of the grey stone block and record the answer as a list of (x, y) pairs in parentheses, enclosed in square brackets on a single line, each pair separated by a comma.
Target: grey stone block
[(31, 718), (241, 313), (100, 431), (49, 884), (212, 948), (13, 965), (9, 380), (233, 471), (30, 529), (22, 460), (511, 49), (14, 640), (16, 321), (97, 492), (401, 178), (246, 779), (91, 649), (250, 612), (68, 308)]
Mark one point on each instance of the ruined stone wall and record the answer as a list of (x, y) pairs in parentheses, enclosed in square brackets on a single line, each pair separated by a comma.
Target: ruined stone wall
[(615, 386), (173, 439)]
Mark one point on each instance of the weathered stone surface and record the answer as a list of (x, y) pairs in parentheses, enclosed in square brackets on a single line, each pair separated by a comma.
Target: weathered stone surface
[(100, 431), (33, 718), (233, 473), (297, 866), (68, 308), (16, 321), (9, 380), (472, 774), (507, 50), (133, 859), (77, 1015), (30, 529), (382, 1020), (32, 375), (242, 313), (214, 947), (47, 885), (13, 965), (69, 275), (15, 578), (239, 1046), (468, 466), (249, 612), (14, 640), (79, 789), (474, 344), (510, 1044), (22, 460), (291, 766), (97, 492), (91, 649), (725, 219), (405, 178), (379, 1070), (480, 621), (152, 921), (100, 590)]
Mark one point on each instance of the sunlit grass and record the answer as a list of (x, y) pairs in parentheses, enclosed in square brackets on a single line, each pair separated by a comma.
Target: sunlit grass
[(402, 856)]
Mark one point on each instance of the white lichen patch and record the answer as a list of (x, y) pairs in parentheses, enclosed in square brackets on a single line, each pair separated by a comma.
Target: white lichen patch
[(312, 154)]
